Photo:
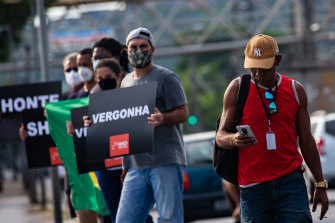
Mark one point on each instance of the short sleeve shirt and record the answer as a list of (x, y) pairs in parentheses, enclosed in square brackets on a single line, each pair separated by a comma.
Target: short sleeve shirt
[(168, 139)]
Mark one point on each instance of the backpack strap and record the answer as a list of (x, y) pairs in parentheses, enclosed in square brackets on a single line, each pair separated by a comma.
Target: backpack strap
[(242, 96)]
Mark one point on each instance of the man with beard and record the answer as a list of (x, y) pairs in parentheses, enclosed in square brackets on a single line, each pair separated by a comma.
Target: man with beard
[(155, 177)]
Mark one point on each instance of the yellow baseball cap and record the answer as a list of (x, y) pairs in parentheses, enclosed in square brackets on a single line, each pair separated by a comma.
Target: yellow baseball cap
[(260, 52)]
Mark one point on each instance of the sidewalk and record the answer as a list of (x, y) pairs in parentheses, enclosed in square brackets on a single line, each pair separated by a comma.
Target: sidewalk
[(16, 208)]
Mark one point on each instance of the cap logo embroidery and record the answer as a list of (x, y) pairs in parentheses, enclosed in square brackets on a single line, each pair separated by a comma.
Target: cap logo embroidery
[(257, 52)]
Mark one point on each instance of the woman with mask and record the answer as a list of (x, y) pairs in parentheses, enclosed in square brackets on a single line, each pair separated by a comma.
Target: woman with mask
[(108, 75), (85, 75)]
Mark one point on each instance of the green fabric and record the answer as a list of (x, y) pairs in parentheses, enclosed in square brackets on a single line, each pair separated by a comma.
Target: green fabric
[(85, 195)]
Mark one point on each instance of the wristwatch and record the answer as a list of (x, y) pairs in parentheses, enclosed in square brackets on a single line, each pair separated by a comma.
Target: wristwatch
[(322, 184)]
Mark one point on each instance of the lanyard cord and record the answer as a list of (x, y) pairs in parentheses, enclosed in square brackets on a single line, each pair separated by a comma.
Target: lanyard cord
[(274, 98)]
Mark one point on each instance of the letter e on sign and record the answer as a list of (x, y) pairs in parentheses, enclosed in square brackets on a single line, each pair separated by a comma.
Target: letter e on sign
[(113, 162), (54, 156), (119, 145)]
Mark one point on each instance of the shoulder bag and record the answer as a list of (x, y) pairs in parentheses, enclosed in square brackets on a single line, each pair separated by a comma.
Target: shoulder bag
[(225, 161)]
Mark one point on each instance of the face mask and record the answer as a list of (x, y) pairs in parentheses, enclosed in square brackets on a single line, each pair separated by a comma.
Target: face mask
[(95, 63), (139, 58), (72, 78), (85, 74), (107, 84)]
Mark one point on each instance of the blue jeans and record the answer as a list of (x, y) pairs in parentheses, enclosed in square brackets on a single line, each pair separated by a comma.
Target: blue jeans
[(283, 200), (143, 187), (111, 186)]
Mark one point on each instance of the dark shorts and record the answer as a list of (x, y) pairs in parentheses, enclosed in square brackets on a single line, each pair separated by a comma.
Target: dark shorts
[(283, 200)]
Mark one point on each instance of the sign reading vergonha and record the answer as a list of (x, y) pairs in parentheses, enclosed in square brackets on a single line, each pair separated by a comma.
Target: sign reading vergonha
[(119, 122), (79, 140)]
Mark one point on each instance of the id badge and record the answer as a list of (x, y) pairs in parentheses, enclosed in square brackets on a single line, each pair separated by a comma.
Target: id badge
[(271, 140)]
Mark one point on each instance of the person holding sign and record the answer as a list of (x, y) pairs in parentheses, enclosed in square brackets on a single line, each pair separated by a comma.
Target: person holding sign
[(155, 177), (110, 66), (108, 76), (270, 173)]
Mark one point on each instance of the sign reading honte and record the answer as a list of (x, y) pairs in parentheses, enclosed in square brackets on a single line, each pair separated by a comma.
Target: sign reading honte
[(16, 99)]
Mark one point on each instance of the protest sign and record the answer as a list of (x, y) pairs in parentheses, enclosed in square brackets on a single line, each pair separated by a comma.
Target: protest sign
[(15, 99), (119, 122), (40, 148), (79, 140)]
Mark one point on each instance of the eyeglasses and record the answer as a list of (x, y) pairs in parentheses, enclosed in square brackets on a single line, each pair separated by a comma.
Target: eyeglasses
[(68, 70), (272, 105)]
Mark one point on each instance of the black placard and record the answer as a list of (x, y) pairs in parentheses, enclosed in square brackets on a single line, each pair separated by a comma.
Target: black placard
[(15, 99), (119, 122), (79, 140), (40, 148)]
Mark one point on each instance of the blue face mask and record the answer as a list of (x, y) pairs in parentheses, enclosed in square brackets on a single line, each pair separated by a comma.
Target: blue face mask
[(95, 63)]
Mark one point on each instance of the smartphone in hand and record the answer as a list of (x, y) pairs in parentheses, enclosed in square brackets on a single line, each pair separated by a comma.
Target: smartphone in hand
[(245, 130)]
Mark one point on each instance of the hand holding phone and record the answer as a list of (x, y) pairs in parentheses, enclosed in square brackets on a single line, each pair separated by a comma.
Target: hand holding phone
[(245, 130)]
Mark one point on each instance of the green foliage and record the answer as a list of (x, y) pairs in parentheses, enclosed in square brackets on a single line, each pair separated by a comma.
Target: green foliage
[(210, 82), (12, 19)]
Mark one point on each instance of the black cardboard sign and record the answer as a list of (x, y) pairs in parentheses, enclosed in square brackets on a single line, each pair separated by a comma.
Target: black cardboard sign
[(79, 140), (40, 148), (119, 122), (15, 99)]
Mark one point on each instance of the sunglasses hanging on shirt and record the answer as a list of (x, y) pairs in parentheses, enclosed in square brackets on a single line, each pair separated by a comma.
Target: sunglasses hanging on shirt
[(272, 106)]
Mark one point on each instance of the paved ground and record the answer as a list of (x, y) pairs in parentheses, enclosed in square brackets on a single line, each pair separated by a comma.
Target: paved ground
[(15, 208)]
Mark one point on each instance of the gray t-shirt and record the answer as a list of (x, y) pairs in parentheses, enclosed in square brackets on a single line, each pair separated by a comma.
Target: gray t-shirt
[(168, 140)]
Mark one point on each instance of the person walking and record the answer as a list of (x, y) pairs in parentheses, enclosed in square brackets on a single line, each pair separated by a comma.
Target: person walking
[(110, 65), (156, 176), (270, 174)]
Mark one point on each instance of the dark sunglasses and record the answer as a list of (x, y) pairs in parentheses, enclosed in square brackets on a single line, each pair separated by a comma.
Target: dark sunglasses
[(272, 105), (68, 70)]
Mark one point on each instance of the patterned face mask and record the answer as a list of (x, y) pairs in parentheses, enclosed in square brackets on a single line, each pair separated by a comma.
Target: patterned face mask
[(139, 58)]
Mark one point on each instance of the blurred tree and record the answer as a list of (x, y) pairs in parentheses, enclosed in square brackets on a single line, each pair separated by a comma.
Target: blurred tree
[(211, 78), (13, 16)]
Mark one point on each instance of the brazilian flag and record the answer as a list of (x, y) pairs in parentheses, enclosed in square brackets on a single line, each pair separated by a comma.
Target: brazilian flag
[(86, 193)]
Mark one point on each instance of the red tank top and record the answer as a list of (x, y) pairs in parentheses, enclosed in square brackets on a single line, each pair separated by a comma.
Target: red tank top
[(256, 163)]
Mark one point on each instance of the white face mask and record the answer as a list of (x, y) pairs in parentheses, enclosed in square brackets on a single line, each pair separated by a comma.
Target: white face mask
[(72, 78), (85, 74), (95, 63)]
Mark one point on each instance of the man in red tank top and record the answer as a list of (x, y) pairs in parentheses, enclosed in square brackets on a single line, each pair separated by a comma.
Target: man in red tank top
[(272, 187)]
